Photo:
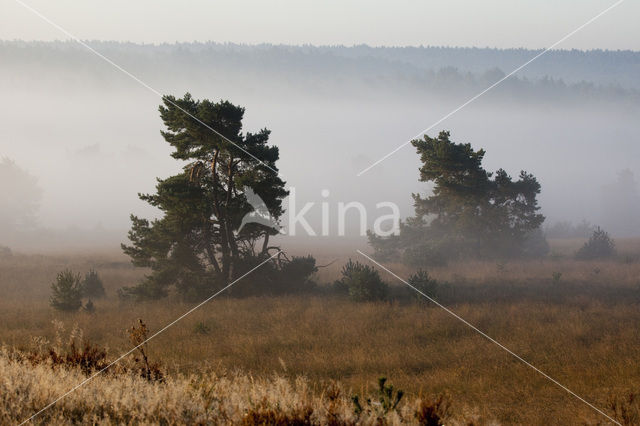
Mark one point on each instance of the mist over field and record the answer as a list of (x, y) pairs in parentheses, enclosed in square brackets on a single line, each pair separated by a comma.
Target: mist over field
[(306, 213), (91, 136)]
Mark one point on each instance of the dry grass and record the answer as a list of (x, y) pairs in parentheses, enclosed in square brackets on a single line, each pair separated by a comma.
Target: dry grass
[(209, 398), (584, 331)]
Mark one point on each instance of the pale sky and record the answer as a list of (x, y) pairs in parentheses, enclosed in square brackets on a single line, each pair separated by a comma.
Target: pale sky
[(493, 23)]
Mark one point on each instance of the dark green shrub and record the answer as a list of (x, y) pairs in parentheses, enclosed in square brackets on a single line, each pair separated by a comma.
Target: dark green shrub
[(277, 277), (388, 400), (361, 282), (599, 246), (89, 307), (295, 275), (66, 292), (423, 282), (92, 285)]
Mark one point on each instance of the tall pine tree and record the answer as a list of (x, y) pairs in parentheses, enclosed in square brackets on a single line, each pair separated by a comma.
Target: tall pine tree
[(470, 213), (196, 245)]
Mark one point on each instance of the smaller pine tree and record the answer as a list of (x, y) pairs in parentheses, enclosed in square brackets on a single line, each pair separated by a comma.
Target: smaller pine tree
[(599, 246), (424, 283), (92, 285), (362, 282), (66, 292)]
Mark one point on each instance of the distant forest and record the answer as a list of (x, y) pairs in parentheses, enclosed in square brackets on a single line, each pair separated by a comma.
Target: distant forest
[(332, 70)]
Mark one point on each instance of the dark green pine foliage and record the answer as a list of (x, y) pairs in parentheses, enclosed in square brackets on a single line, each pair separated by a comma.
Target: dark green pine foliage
[(66, 292), (195, 245), (471, 212), (599, 246), (92, 285)]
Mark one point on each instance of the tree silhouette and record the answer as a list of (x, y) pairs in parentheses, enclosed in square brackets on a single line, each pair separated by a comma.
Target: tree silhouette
[(66, 292), (471, 212), (196, 245), (20, 198)]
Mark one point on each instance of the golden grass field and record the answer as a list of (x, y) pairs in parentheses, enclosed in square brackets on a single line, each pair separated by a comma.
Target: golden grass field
[(583, 330)]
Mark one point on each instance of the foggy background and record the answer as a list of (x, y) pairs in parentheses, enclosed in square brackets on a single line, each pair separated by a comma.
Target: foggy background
[(90, 136)]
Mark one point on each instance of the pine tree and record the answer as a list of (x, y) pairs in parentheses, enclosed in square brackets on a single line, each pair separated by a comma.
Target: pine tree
[(470, 213), (599, 246), (196, 245), (66, 292), (92, 285)]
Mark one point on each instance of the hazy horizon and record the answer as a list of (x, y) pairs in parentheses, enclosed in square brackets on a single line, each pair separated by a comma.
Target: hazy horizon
[(498, 23), (343, 107)]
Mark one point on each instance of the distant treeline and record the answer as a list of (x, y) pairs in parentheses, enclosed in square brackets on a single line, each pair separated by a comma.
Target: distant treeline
[(331, 70)]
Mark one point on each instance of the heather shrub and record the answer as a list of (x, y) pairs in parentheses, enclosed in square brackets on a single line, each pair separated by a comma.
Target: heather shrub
[(626, 409), (433, 412)]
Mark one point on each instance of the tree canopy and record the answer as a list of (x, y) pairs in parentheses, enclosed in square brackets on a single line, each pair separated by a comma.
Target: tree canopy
[(470, 213), (197, 244)]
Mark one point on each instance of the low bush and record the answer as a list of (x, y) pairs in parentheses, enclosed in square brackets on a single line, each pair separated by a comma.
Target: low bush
[(433, 412), (626, 409), (423, 282), (138, 336), (388, 399), (599, 246), (361, 282)]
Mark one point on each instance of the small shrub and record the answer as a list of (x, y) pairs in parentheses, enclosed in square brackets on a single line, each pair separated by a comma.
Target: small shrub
[(556, 276), (89, 307), (66, 292), (362, 282), (265, 414), (388, 400), (433, 413), (201, 328), (423, 282), (599, 246), (74, 352), (281, 276), (89, 358), (92, 285), (295, 275), (138, 336), (626, 409), (388, 396)]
